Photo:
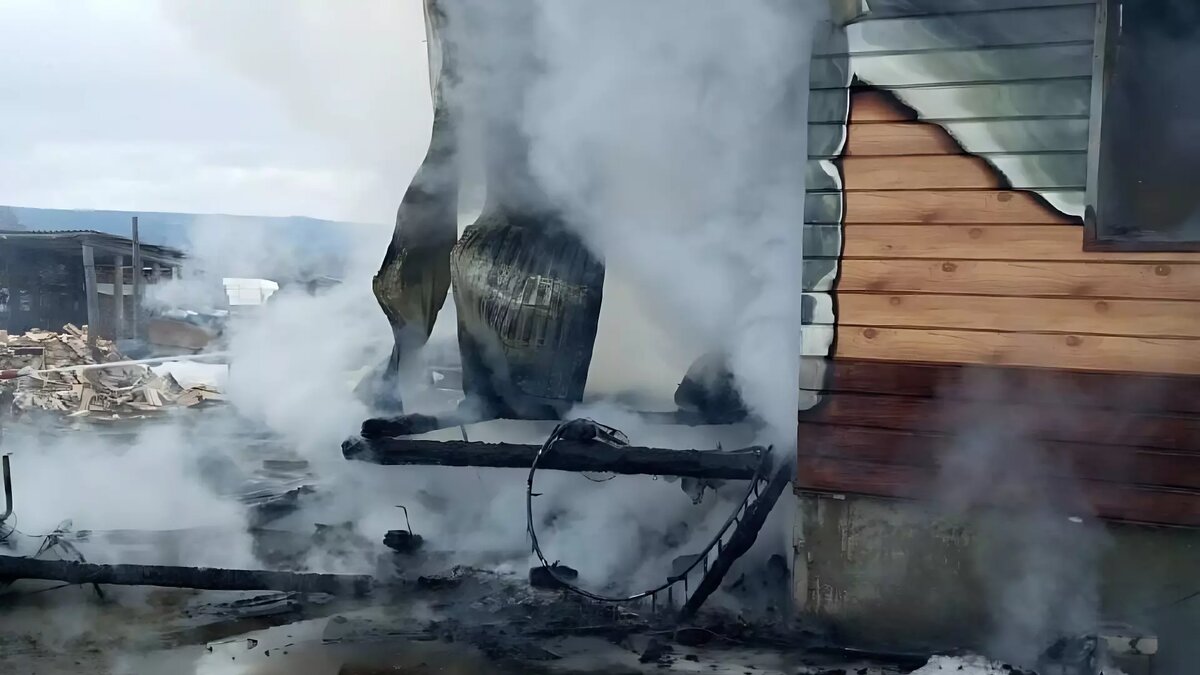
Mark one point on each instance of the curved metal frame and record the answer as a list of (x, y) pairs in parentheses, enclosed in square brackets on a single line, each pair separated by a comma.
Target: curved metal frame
[(759, 476)]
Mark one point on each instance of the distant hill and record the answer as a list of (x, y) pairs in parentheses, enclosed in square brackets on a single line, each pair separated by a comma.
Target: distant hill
[(324, 242)]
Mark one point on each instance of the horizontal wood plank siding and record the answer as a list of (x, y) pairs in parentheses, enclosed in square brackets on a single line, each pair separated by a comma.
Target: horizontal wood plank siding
[(1014, 436), (1160, 394), (967, 66), (1039, 350), (975, 207), (1063, 422), (973, 331), (1136, 318), (948, 29), (1085, 498), (937, 452), (890, 138), (1024, 279), (960, 172), (1031, 241), (921, 228)]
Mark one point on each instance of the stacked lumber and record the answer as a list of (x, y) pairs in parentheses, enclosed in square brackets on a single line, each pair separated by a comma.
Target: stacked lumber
[(125, 391)]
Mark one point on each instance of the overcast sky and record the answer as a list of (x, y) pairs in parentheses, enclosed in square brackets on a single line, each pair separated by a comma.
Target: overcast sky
[(271, 107)]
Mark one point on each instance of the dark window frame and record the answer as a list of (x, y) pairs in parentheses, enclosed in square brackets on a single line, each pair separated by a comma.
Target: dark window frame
[(1093, 239)]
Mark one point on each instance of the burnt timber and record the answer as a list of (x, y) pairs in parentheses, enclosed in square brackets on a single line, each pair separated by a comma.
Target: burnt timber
[(567, 456), (1121, 446), (204, 578)]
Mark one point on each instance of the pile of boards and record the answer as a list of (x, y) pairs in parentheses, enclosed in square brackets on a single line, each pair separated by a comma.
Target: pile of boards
[(132, 390)]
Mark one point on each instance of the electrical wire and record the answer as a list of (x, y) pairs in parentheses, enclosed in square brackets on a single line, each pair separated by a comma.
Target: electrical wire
[(1168, 605), (614, 437)]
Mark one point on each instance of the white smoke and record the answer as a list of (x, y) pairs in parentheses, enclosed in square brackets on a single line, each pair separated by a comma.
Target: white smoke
[(672, 133), (1036, 545), (673, 136)]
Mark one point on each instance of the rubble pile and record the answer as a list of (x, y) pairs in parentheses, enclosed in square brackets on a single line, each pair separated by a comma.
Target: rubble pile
[(132, 390)]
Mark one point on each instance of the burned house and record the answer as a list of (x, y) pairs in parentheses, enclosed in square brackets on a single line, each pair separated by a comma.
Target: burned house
[(50, 279), (1000, 275), (1004, 237)]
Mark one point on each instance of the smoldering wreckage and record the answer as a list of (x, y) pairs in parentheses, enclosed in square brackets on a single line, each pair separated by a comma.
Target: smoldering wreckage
[(528, 293), (542, 622)]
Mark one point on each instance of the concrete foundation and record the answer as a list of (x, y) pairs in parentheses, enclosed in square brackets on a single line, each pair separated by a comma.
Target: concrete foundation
[(901, 574)]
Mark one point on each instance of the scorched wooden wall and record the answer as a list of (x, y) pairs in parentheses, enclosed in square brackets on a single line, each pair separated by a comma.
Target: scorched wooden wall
[(944, 223)]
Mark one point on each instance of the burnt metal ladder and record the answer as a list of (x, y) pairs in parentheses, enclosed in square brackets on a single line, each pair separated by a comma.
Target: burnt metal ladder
[(733, 540)]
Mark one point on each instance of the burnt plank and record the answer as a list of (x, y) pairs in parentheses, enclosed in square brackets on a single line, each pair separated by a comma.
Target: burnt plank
[(1105, 500), (1119, 391), (565, 456), (1017, 420), (205, 578), (1107, 463)]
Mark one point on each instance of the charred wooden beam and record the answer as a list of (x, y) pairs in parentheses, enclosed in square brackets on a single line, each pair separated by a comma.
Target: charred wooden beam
[(411, 424), (566, 456), (204, 578)]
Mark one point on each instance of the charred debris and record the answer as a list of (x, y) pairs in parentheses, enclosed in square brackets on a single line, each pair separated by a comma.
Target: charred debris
[(411, 566), (577, 445), (511, 620)]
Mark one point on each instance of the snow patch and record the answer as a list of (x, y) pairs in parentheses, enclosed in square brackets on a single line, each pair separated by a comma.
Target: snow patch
[(963, 665)]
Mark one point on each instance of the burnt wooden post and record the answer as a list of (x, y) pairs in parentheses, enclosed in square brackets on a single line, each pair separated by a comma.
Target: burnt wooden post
[(93, 299), (567, 456), (156, 271), (118, 297), (135, 311), (167, 576)]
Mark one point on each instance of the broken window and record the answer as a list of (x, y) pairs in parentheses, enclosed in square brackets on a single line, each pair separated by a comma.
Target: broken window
[(1146, 127)]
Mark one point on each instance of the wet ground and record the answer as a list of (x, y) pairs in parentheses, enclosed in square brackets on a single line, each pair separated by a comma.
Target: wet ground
[(469, 622), (130, 635), (428, 618)]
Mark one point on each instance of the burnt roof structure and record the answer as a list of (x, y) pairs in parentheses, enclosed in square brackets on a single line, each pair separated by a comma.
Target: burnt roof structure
[(70, 241)]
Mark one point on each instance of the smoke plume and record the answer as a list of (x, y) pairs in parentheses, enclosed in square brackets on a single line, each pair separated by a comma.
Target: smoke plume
[(672, 136), (1036, 545)]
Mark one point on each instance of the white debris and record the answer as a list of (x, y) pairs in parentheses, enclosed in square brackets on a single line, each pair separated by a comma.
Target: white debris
[(193, 374), (248, 291), (962, 665)]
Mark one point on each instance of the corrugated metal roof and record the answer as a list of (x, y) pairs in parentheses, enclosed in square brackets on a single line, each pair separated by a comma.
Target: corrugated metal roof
[(111, 240)]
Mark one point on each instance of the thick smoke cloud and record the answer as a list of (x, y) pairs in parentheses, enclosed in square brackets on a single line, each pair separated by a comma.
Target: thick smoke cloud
[(672, 136), (1038, 555)]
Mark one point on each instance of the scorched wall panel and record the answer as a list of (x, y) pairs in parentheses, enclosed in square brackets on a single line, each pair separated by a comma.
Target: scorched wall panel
[(964, 304)]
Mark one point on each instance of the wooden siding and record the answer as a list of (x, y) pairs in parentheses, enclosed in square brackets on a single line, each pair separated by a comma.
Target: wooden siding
[(948, 156), (1123, 447), (1009, 80), (926, 235)]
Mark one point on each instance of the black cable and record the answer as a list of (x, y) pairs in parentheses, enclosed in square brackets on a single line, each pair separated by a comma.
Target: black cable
[(595, 431), (1173, 603)]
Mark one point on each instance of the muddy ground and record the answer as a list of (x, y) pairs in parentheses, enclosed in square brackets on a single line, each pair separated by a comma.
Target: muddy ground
[(462, 621)]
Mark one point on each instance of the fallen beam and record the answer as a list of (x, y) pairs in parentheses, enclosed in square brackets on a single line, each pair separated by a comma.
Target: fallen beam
[(565, 456), (203, 578)]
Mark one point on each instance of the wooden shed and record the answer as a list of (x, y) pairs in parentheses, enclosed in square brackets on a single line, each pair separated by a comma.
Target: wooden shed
[(51, 278), (1003, 224)]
